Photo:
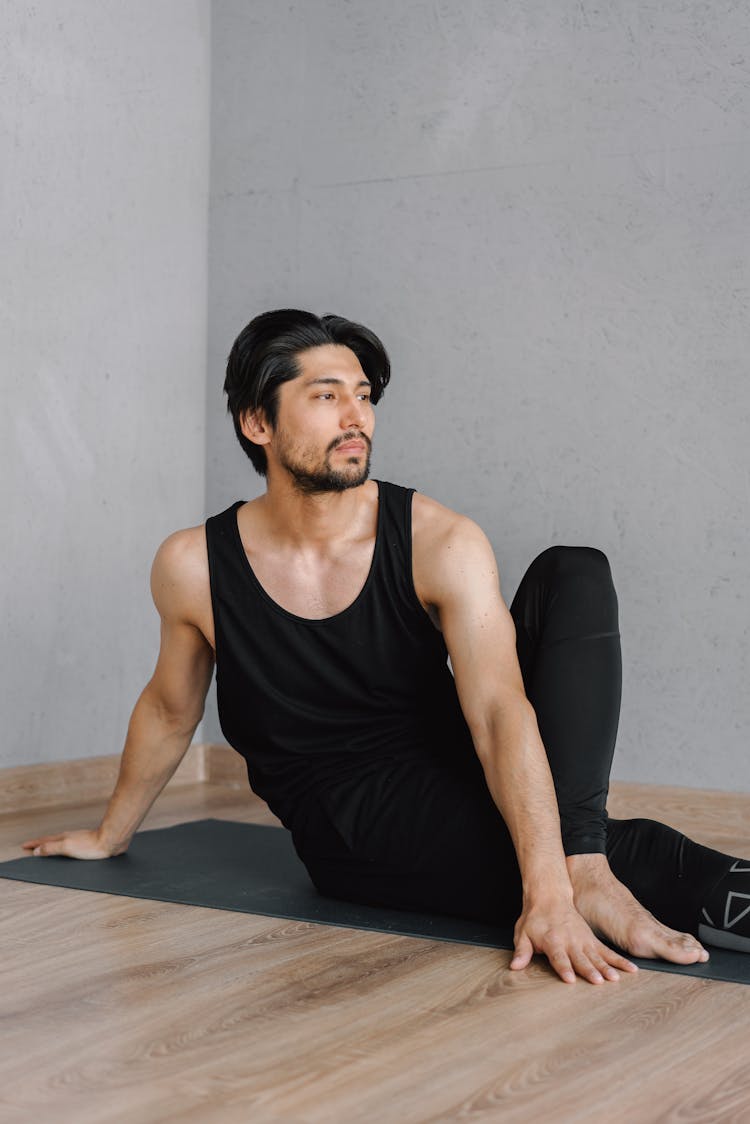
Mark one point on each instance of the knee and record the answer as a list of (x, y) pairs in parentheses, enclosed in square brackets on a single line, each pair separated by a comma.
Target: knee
[(579, 561)]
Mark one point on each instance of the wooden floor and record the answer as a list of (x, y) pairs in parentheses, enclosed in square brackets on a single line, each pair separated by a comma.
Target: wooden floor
[(115, 1009)]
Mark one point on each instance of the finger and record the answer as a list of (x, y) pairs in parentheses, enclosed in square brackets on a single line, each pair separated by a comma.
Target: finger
[(523, 953), (41, 839), (600, 962), (560, 961), (608, 961), (615, 961), (585, 966), (50, 847)]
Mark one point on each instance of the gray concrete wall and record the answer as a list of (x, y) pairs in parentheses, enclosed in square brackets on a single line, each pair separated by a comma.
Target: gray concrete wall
[(105, 117), (542, 207)]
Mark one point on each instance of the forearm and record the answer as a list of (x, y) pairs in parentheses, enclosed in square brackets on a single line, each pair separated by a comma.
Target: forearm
[(518, 776), (154, 746)]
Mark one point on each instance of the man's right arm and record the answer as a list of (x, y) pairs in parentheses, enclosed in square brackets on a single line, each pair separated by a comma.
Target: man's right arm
[(168, 710)]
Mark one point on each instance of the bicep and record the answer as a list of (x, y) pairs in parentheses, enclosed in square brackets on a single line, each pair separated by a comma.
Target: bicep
[(185, 663), (479, 631), (183, 672)]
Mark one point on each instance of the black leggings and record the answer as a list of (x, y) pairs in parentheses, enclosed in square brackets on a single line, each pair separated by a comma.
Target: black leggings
[(436, 840)]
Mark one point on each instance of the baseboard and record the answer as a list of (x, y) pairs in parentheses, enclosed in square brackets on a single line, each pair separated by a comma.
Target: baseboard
[(55, 783), (223, 765)]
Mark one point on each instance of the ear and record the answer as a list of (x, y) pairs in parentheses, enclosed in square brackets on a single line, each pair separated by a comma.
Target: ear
[(255, 427)]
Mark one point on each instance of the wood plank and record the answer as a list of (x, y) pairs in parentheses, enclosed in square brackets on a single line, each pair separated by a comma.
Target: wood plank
[(716, 818), (118, 1009)]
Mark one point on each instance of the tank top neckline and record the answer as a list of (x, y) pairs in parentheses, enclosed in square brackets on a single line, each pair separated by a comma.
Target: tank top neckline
[(294, 616)]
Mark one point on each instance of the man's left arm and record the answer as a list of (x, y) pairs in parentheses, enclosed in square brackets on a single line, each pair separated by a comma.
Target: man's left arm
[(458, 576)]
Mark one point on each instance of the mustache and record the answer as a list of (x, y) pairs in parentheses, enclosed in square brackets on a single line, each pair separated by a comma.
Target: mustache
[(351, 437)]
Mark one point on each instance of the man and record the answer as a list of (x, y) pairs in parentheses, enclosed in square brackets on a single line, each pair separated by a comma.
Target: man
[(330, 605)]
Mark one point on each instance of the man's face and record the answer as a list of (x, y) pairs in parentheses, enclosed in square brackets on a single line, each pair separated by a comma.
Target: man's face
[(323, 434)]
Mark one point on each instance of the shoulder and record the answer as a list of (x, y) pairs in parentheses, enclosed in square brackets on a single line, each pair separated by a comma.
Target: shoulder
[(435, 526), (180, 580), (448, 548)]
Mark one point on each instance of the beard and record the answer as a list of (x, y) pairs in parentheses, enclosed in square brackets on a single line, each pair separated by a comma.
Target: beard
[(311, 479)]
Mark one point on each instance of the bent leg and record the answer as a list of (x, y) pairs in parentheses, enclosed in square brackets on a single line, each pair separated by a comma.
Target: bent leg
[(568, 646)]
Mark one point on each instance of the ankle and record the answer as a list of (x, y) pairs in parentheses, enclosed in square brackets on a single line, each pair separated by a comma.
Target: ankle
[(588, 866)]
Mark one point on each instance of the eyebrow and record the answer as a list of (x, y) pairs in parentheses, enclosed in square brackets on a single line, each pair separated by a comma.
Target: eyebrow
[(328, 380)]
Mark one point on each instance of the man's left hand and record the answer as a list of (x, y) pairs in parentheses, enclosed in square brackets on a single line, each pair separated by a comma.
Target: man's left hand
[(558, 931)]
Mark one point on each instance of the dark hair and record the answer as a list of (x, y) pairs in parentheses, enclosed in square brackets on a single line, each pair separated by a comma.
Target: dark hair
[(264, 356)]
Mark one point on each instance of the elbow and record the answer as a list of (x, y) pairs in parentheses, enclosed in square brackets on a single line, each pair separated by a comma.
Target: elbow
[(180, 720), (184, 723), (506, 716)]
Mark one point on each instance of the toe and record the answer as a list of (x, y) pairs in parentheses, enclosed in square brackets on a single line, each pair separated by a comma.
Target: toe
[(684, 948)]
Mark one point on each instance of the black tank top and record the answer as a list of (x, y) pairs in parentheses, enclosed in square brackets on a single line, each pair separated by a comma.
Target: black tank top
[(318, 707)]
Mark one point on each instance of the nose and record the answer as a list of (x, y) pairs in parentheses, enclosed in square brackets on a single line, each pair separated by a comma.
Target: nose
[(353, 414)]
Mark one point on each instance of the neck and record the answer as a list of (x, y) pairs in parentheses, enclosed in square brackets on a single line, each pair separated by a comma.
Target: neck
[(296, 519)]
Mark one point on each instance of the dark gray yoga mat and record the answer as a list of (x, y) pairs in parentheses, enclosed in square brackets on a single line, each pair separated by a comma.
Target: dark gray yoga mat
[(253, 868)]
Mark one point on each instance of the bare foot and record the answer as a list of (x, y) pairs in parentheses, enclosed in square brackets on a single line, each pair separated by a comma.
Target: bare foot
[(616, 915)]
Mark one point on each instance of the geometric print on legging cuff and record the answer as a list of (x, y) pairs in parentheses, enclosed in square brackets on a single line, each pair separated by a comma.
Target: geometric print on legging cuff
[(736, 904)]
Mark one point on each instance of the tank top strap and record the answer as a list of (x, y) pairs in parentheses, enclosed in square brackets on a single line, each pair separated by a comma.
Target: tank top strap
[(395, 549), (223, 556)]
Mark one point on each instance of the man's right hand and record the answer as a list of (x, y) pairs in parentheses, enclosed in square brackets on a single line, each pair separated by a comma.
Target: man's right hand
[(84, 844)]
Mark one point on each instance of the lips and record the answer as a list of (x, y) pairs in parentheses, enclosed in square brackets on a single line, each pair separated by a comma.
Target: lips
[(355, 446)]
